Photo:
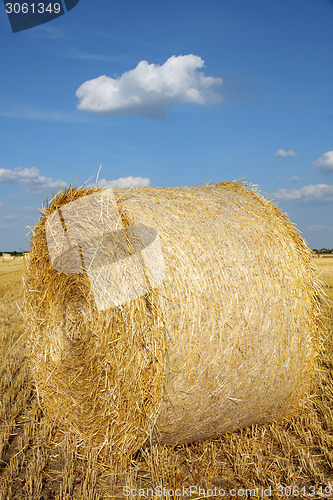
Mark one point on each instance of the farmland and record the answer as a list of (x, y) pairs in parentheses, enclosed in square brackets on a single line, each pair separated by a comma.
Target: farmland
[(39, 462)]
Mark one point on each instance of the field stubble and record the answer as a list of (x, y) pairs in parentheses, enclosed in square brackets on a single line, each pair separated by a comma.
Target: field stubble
[(37, 462)]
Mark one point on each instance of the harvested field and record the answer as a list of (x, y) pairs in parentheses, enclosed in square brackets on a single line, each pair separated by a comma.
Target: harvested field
[(325, 267), (36, 463)]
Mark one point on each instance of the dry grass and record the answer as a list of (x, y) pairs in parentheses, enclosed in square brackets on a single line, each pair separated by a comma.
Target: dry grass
[(325, 267), (36, 463)]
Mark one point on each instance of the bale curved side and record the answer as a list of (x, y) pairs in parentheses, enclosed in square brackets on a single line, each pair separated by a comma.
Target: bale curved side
[(227, 339)]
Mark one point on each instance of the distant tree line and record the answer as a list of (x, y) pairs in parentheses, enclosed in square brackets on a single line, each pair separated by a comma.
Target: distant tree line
[(15, 253), (323, 250)]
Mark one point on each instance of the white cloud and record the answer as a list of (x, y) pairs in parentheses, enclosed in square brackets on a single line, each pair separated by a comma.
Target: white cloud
[(324, 164), (29, 217), (74, 53), (29, 113), (30, 178), (319, 227), (48, 31), (294, 178), (123, 182), (281, 153), (311, 192), (149, 88), (12, 216), (31, 209)]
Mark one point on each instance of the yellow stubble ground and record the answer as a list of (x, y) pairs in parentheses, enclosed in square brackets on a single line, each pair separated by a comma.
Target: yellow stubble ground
[(36, 463)]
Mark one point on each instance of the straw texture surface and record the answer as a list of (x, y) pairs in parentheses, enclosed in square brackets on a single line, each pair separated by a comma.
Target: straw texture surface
[(227, 339)]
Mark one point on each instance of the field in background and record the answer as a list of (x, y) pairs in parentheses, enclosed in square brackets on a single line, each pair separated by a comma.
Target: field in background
[(325, 268), (38, 463)]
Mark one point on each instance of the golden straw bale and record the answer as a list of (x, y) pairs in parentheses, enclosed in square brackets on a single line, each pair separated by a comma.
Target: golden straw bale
[(226, 340), (6, 257)]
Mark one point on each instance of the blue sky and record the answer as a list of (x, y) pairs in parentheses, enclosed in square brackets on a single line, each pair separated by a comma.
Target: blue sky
[(168, 93)]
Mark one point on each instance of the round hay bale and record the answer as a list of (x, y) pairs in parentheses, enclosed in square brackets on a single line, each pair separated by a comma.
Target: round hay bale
[(6, 257), (227, 338)]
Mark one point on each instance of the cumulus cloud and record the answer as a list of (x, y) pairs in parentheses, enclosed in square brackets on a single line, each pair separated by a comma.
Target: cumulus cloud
[(123, 182), (281, 153), (149, 89), (30, 178), (324, 164), (294, 178), (311, 192)]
